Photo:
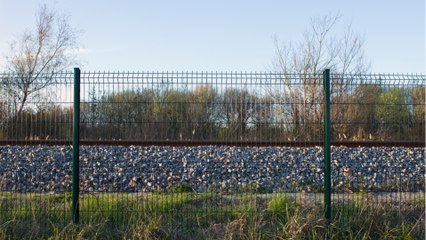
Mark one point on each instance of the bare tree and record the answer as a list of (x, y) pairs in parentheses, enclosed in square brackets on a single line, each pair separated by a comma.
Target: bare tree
[(37, 54), (319, 49)]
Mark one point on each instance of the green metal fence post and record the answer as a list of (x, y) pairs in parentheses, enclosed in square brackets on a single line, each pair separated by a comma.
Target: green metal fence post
[(76, 149), (327, 148)]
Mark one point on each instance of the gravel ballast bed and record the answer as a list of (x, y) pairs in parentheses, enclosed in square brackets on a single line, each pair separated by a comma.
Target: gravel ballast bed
[(204, 168)]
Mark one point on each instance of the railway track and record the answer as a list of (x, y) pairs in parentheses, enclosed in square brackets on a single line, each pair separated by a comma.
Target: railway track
[(217, 143)]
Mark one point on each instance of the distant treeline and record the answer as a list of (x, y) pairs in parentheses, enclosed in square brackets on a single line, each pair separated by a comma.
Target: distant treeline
[(366, 112)]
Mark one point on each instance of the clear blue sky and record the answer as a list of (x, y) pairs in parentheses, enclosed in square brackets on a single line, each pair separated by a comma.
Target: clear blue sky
[(221, 35)]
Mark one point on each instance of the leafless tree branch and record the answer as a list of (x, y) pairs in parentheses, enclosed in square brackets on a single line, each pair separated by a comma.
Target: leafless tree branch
[(39, 53)]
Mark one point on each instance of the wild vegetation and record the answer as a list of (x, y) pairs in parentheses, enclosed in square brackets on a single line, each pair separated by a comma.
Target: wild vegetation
[(368, 112), (187, 215)]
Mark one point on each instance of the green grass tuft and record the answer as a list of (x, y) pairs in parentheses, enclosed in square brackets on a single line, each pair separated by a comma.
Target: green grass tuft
[(181, 188)]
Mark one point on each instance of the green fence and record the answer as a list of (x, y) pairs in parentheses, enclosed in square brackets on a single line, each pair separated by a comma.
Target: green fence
[(203, 148)]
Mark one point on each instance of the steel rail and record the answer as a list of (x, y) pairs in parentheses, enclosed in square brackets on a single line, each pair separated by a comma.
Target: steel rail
[(216, 143)]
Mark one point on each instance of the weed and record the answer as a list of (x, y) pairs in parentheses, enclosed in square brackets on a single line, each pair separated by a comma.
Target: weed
[(181, 188)]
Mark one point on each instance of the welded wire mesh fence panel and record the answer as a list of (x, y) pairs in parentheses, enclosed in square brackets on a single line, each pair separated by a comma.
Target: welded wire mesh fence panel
[(379, 108), (191, 106), (201, 183), (35, 180)]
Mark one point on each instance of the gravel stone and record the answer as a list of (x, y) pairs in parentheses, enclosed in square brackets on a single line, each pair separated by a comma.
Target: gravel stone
[(211, 168)]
